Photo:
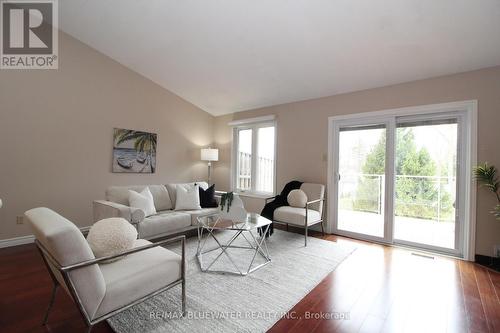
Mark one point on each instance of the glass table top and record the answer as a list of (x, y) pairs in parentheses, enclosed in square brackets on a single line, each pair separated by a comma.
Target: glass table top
[(214, 221)]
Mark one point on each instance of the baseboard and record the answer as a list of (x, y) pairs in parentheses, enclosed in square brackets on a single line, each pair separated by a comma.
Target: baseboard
[(16, 241), (26, 239), (487, 261)]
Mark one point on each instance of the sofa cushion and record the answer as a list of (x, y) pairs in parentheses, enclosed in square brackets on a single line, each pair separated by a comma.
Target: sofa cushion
[(172, 189), (204, 211), (161, 197), (119, 194), (295, 215), (138, 275), (163, 222)]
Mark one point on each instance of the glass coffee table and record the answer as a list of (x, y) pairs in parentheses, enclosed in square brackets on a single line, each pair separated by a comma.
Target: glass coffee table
[(208, 225)]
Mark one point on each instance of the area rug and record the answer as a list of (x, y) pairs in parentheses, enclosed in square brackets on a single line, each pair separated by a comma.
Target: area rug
[(228, 303)]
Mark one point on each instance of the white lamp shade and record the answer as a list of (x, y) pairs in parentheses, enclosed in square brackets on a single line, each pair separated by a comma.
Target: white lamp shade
[(209, 154)]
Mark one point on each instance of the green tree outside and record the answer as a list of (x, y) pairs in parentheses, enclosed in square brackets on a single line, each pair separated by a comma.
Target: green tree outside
[(415, 196)]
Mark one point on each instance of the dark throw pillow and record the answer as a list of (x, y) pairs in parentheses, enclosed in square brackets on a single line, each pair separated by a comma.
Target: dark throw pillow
[(207, 197)]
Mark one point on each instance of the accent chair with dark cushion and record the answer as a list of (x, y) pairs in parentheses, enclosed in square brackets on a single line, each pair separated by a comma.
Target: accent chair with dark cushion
[(307, 216)]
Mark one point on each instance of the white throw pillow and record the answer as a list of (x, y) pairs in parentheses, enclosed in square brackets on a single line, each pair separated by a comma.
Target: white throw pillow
[(188, 197), (297, 198), (111, 236), (143, 201)]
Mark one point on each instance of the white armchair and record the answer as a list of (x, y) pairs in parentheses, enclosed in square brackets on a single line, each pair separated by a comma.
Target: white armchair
[(307, 216), (100, 289)]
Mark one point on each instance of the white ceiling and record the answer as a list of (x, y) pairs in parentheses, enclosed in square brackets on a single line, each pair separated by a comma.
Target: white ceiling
[(232, 55)]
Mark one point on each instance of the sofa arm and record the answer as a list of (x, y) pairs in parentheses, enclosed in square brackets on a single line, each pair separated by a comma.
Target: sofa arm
[(104, 209), (136, 215)]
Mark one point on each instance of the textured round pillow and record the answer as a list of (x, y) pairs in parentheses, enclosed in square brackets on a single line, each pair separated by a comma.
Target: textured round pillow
[(111, 236), (297, 198)]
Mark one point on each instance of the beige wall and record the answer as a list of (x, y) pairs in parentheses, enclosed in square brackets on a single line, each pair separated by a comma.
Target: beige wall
[(56, 130), (303, 129), (56, 133)]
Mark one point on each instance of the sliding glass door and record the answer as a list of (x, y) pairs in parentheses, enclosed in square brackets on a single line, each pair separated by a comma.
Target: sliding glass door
[(397, 180), (361, 179), (426, 182)]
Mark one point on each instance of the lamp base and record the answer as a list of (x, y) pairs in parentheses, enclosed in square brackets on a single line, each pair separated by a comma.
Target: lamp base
[(209, 170)]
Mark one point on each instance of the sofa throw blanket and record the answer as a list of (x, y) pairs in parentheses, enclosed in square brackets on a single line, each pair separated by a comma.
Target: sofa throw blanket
[(280, 200)]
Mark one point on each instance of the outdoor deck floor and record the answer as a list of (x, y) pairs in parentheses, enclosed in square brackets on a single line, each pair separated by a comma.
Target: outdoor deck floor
[(422, 231)]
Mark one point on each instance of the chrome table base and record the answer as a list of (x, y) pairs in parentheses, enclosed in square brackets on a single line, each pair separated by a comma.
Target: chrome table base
[(258, 245)]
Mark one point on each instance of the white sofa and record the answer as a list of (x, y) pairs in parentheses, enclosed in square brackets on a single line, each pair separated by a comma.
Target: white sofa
[(166, 222)]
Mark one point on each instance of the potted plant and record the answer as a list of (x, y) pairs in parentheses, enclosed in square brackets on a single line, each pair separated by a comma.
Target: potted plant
[(232, 207), (226, 199), (486, 176)]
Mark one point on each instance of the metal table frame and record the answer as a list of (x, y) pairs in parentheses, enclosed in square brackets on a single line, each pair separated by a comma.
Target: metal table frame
[(259, 245)]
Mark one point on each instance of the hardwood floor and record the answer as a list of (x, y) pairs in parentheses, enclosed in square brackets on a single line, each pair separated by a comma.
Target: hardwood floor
[(376, 289)]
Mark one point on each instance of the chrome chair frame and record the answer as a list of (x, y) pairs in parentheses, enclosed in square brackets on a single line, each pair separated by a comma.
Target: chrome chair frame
[(64, 270), (306, 226)]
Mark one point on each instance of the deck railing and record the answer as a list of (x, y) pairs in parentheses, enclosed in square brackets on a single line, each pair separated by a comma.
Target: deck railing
[(264, 173), (429, 197)]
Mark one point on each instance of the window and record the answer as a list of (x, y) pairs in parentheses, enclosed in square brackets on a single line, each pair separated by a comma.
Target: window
[(254, 158)]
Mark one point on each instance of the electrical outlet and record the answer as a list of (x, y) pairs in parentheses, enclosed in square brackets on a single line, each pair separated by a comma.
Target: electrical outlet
[(497, 251), (19, 219)]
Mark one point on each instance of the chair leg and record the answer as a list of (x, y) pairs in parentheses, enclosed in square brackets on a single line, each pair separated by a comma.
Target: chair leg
[(51, 303), (183, 300), (183, 275), (322, 229), (89, 329), (305, 240)]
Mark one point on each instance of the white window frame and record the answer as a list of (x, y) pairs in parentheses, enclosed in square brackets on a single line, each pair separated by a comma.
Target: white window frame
[(468, 149), (254, 124)]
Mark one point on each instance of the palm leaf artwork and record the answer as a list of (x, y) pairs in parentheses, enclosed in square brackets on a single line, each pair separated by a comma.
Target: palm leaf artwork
[(144, 144), (486, 176)]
